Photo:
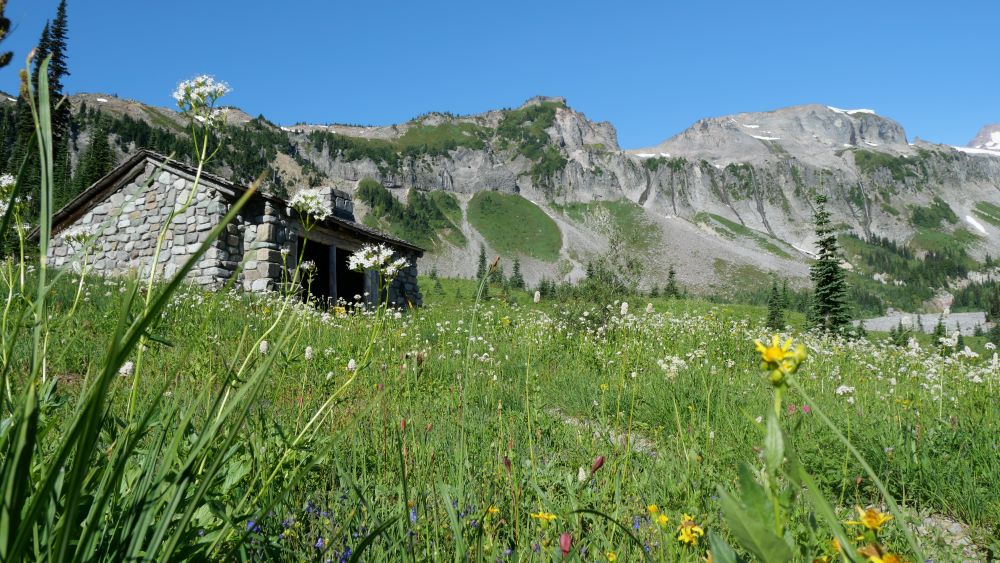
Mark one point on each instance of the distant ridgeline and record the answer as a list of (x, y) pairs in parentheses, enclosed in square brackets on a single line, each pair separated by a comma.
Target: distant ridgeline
[(544, 184)]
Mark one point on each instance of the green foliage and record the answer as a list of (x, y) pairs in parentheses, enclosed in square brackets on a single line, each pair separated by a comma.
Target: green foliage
[(525, 128), (732, 230), (987, 212), (899, 167), (626, 218), (775, 309), (96, 160), (829, 311), (418, 141), (423, 219), (516, 277), (512, 225), (930, 217)]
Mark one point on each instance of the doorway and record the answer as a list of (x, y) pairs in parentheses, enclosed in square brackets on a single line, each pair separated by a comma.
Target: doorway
[(348, 282), (318, 279)]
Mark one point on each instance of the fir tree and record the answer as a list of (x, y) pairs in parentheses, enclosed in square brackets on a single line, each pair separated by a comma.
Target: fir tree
[(516, 277), (775, 310), (655, 292), (829, 305), (939, 327), (481, 268), (671, 290), (96, 161), (497, 275)]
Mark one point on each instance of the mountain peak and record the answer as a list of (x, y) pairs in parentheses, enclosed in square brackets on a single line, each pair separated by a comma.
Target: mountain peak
[(988, 138), (811, 132)]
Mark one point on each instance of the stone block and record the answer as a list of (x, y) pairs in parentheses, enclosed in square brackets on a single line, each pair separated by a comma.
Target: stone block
[(260, 284)]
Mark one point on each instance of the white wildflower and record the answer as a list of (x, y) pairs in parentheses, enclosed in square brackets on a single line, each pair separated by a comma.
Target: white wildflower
[(307, 266), (127, 369), (263, 348), (538, 296), (352, 365), (844, 390), (308, 355), (378, 257), (309, 202), (196, 97), (6, 180), (649, 308), (624, 308), (581, 475)]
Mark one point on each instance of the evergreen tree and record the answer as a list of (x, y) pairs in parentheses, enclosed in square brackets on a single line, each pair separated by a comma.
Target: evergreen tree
[(96, 161), (516, 277), (496, 275), (829, 306), (939, 327), (775, 310), (785, 299), (24, 140), (655, 292), (671, 290), (481, 268)]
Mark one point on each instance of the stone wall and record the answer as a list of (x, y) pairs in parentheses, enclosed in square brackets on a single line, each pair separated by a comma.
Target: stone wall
[(404, 291), (130, 219)]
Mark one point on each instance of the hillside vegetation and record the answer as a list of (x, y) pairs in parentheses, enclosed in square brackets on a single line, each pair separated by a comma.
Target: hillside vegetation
[(513, 225)]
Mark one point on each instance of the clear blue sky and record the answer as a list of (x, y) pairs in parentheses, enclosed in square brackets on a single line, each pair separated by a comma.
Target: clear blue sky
[(651, 68)]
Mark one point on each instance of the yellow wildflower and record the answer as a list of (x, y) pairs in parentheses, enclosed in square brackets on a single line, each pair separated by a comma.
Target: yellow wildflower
[(875, 554), (543, 517), (689, 531), (604, 387), (780, 359), (653, 509), (612, 556), (871, 519), (662, 520), (492, 510), (339, 312), (505, 321)]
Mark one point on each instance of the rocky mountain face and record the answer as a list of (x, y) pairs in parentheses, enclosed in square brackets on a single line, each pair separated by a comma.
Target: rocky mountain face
[(729, 197), (988, 138)]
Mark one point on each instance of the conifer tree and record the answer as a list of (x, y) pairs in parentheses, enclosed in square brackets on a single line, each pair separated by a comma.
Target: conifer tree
[(481, 268), (655, 292), (96, 161), (516, 277), (775, 309), (939, 327), (829, 310), (497, 275), (671, 290)]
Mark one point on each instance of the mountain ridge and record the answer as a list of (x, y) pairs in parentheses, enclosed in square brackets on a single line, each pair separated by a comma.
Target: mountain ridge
[(738, 188)]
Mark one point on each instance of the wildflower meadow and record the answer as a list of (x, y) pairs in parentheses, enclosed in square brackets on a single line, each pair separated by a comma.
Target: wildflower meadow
[(143, 419)]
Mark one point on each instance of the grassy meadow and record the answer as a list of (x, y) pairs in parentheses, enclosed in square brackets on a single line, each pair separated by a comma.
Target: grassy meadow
[(474, 428)]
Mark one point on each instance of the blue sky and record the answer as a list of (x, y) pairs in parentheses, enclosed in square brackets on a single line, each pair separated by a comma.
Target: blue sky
[(650, 68)]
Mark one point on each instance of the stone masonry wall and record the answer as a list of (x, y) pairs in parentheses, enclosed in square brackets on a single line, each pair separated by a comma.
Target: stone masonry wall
[(129, 222)]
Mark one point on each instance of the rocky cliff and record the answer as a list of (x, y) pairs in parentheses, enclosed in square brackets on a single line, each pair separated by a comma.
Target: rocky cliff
[(729, 197)]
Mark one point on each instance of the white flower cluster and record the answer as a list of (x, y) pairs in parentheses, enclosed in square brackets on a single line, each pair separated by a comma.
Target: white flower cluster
[(6, 181), (308, 201), (308, 266), (196, 97), (377, 257), (77, 236)]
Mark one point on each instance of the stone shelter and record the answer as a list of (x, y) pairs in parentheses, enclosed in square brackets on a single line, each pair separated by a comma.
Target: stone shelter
[(125, 211)]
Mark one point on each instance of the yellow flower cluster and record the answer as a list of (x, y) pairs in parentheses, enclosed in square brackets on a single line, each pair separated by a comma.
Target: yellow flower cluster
[(871, 518), (689, 531), (780, 359), (543, 517)]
